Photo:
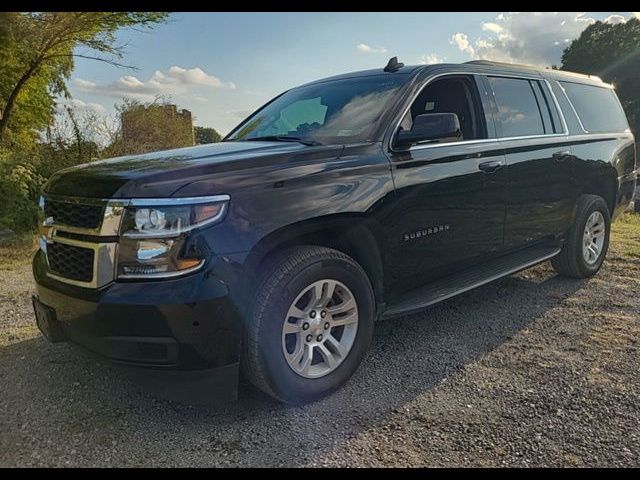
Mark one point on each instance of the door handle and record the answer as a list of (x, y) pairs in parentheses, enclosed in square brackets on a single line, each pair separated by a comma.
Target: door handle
[(561, 155), (491, 166)]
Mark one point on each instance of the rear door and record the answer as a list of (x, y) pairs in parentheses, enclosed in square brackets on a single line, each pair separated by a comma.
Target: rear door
[(540, 188)]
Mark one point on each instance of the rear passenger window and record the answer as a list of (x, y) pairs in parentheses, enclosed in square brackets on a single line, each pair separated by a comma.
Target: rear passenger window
[(518, 108), (597, 107)]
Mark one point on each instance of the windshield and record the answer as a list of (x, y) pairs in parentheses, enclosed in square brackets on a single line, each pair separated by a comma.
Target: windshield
[(338, 111)]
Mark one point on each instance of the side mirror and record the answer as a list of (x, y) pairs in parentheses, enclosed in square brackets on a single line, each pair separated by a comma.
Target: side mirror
[(430, 126)]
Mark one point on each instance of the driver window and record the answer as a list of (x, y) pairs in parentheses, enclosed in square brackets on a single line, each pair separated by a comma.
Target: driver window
[(450, 95)]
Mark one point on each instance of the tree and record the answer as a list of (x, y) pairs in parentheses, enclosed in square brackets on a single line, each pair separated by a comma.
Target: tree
[(612, 52), (206, 135), (37, 50), (72, 138)]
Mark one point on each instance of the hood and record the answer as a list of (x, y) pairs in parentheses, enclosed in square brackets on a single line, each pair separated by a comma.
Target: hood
[(160, 174)]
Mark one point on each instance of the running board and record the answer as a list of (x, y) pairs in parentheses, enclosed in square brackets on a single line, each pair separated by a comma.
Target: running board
[(468, 279)]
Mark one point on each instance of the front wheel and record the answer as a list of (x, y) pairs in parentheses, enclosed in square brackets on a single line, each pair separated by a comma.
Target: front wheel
[(588, 239), (310, 325)]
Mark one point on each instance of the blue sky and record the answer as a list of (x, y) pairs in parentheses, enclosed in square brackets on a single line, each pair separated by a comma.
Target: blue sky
[(223, 65)]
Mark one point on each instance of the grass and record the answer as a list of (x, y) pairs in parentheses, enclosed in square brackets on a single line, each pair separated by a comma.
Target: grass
[(18, 252), (625, 235)]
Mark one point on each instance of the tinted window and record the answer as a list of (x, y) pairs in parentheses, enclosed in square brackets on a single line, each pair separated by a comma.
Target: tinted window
[(567, 111), (543, 106), (597, 107), (558, 127), (456, 94), (518, 110), (334, 111)]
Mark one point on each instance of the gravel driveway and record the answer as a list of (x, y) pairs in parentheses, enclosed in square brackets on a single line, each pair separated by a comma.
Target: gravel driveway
[(531, 370)]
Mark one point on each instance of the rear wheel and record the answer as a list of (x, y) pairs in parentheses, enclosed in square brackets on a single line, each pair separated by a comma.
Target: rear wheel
[(588, 240), (310, 325)]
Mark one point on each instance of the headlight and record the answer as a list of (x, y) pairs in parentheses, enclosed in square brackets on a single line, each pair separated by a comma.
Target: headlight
[(169, 218), (153, 238)]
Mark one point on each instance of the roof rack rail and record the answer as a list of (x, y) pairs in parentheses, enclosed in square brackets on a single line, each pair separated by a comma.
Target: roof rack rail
[(501, 64), (531, 67)]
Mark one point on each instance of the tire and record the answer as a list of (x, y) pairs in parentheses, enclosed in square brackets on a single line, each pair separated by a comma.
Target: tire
[(266, 360), (571, 261)]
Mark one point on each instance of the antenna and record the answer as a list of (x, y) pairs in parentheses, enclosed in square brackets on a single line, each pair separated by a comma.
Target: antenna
[(393, 65)]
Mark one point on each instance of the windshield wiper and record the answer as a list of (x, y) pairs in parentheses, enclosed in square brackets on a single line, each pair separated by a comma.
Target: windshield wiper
[(284, 138)]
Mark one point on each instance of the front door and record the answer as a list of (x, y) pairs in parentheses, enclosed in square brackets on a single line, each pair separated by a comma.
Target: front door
[(449, 209)]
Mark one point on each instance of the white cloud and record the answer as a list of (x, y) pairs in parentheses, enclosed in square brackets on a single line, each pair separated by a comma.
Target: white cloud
[(86, 106), (523, 37), (615, 19), (194, 76), (175, 81), (84, 84), (636, 14), (363, 47), (461, 40), (492, 27), (79, 106), (431, 58)]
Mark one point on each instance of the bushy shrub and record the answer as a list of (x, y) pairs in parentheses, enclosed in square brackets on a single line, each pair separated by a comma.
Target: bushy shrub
[(20, 185)]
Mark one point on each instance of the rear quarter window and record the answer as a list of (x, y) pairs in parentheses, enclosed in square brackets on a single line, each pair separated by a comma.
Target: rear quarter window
[(597, 107), (567, 112)]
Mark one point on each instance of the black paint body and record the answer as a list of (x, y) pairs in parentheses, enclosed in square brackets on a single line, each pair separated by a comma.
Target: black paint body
[(409, 217)]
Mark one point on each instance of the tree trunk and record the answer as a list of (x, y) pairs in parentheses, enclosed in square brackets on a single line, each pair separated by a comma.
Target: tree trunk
[(6, 114)]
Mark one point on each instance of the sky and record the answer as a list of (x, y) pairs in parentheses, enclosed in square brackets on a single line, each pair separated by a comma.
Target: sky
[(222, 66)]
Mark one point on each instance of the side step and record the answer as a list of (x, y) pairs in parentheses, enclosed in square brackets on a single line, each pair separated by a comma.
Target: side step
[(468, 279)]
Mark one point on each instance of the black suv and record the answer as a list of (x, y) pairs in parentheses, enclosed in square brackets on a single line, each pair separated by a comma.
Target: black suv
[(358, 197)]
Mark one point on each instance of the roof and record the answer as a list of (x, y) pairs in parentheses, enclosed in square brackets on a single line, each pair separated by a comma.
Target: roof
[(482, 66), (405, 70)]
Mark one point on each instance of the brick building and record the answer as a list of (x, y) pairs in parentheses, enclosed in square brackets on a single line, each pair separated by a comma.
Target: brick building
[(153, 127)]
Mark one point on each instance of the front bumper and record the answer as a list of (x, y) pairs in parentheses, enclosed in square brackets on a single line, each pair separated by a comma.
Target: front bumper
[(188, 323)]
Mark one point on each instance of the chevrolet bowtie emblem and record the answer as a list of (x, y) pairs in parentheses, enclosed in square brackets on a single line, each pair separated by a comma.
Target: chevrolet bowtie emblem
[(46, 232)]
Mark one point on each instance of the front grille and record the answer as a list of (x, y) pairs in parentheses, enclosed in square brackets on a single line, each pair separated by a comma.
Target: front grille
[(74, 214), (71, 262)]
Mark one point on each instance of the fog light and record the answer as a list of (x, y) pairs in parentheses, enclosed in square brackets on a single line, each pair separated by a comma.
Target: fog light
[(143, 269)]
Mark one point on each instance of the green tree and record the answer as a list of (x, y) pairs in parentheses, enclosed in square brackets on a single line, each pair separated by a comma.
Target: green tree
[(612, 52), (37, 50), (206, 135)]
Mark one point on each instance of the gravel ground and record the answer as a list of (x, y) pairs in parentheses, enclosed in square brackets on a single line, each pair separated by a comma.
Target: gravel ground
[(531, 370)]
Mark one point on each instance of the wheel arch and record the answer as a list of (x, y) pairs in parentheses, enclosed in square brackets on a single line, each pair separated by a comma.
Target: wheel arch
[(604, 185), (355, 235)]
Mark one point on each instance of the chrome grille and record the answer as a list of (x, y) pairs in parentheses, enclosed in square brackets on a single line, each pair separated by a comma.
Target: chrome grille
[(68, 261), (74, 214), (77, 237)]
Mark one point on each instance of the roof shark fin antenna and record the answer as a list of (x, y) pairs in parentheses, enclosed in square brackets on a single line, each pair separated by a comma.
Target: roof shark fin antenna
[(393, 65)]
